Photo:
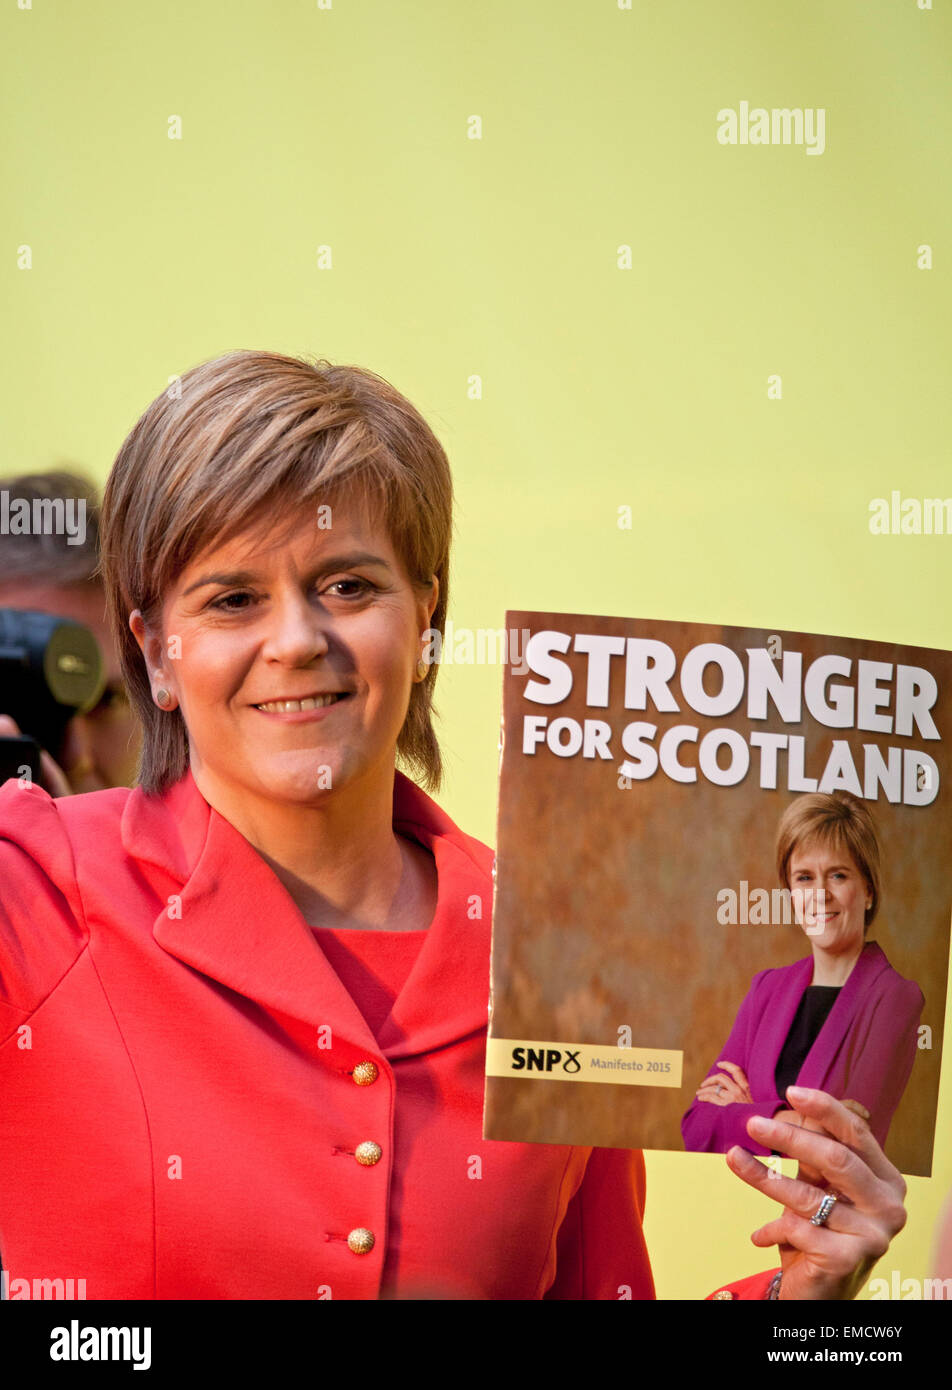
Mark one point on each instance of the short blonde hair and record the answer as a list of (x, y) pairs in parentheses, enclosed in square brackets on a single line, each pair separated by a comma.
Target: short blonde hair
[(255, 434), (838, 820)]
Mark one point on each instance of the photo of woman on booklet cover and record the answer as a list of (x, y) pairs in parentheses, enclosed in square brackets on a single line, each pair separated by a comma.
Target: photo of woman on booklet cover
[(841, 1019)]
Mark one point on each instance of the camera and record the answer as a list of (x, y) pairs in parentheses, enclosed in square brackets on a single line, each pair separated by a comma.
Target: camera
[(51, 669)]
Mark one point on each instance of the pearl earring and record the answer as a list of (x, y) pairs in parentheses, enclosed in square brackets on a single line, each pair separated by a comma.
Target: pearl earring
[(163, 698)]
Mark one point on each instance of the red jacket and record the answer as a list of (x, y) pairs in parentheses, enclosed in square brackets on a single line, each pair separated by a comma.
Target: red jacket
[(179, 1068)]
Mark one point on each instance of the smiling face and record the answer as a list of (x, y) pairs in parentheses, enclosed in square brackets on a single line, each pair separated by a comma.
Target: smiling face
[(830, 896), (325, 617)]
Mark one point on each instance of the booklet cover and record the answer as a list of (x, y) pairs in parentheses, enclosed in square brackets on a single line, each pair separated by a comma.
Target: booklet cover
[(722, 866)]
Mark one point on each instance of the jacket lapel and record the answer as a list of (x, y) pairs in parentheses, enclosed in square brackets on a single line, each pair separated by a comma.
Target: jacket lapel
[(779, 1016), (446, 995), (230, 917), (819, 1060)]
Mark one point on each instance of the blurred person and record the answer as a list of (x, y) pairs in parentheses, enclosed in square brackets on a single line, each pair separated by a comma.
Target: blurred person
[(47, 573)]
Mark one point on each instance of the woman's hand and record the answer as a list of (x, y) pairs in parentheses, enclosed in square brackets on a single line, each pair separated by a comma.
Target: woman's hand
[(727, 1087), (842, 1157), (793, 1117)]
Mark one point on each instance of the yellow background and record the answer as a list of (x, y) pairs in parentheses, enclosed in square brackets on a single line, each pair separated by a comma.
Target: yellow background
[(346, 125)]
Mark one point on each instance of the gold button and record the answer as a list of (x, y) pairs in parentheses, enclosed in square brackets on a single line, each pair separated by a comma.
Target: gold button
[(365, 1073), (368, 1153), (361, 1241), (722, 1293)]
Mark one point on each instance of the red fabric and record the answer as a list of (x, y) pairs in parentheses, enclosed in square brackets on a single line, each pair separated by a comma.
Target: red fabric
[(373, 966), (179, 1109), (748, 1289)]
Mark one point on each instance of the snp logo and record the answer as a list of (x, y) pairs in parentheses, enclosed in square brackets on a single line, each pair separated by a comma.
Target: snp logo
[(545, 1059)]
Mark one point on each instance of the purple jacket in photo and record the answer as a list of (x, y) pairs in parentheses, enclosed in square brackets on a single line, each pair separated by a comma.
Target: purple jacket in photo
[(864, 1051)]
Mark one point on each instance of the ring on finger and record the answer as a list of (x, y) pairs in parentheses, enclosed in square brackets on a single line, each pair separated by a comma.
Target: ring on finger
[(822, 1214)]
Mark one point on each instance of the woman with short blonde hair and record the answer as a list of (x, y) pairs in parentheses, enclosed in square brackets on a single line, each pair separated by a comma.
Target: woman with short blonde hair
[(838, 820), (841, 1019), (258, 982), (248, 439)]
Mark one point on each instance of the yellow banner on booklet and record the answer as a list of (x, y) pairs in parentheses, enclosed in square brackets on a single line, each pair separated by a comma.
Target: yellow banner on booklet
[(560, 1061)]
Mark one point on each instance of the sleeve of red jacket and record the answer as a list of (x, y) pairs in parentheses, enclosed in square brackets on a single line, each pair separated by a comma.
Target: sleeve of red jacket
[(750, 1289), (709, 1128), (601, 1251), (40, 913)]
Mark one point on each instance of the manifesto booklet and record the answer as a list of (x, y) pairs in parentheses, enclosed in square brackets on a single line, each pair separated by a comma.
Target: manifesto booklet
[(722, 868)]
